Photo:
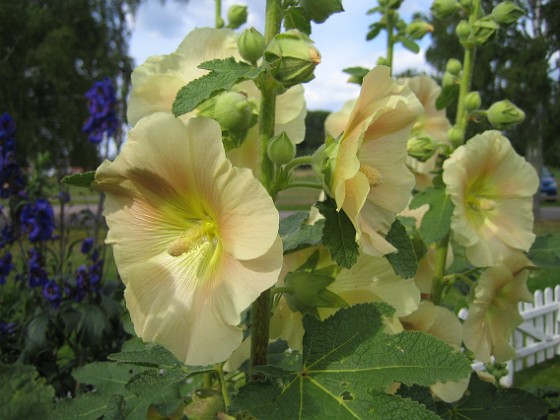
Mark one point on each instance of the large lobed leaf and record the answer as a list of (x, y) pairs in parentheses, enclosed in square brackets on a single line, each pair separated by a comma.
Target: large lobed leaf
[(224, 74), (297, 235), (347, 363), (545, 251), (404, 261)]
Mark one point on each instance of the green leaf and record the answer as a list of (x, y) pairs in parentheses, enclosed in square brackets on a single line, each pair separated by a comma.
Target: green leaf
[(224, 74), (348, 361), (84, 407), (437, 220), (374, 30), (409, 44), (339, 234), (80, 180), (296, 235), (161, 388), (358, 73), (545, 251), (447, 96), (108, 378), (404, 260), (320, 10), (296, 18), (149, 355), (23, 393), (484, 401)]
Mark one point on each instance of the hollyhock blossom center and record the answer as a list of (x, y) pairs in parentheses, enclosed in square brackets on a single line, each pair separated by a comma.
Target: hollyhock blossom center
[(373, 175), (479, 203), (200, 233)]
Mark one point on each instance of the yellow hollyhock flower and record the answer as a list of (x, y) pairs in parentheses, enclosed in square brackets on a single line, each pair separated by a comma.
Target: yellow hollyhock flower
[(155, 84), (492, 188), (369, 179), (433, 124), (494, 313), (443, 324), (195, 240), (371, 279)]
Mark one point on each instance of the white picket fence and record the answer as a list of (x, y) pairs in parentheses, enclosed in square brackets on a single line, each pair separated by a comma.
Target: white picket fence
[(538, 338)]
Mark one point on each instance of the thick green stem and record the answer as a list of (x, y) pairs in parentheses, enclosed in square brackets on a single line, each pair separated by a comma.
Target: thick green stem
[(218, 14), (438, 283), (299, 161), (462, 117), (223, 385), (262, 306), (390, 38)]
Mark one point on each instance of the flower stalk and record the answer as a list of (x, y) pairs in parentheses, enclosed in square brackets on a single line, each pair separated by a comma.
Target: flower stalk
[(262, 306)]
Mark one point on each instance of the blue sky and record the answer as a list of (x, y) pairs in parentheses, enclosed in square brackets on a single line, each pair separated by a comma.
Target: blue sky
[(159, 28)]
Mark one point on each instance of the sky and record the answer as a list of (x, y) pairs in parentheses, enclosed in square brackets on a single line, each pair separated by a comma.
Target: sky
[(159, 28)]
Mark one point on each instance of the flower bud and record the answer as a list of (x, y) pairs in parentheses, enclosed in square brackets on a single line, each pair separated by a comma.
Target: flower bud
[(418, 28), (504, 114), (448, 79), (237, 16), (443, 9), (484, 29), (453, 66), (463, 30), (232, 110), (472, 101), (456, 135), (466, 3), (292, 58), (382, 61), (421, 147), (280, 149), (251, 45), (507, 12)]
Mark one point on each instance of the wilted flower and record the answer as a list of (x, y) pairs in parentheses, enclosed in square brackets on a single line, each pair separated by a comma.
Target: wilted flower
[(494, 313), (156, 82), (102, 121), (432, 124), (195, 240), (367, 175), (492, 189)]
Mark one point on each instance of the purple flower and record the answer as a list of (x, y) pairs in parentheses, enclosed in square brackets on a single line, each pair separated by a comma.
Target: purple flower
[(36, 274), (102, 116), (7, 328), (12, 180), (6, 267), (87, 244), (64, 196), (7, 126), (8, 235), (38, 220), (52, 293)]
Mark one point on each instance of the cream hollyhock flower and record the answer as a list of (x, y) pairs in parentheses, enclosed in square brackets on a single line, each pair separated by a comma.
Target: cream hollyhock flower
[(433, 123), (494, 314), (369, 179), (156, 82), (371, 279), (195, 240), (492, 188), (443, 324)]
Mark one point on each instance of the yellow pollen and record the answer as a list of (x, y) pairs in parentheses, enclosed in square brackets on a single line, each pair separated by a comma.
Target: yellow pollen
[(480, 203), (373, 175), (192, 238)]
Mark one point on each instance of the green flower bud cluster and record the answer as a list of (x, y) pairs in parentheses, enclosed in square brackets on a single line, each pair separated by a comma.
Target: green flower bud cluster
[(504, 114), (484, 29), (237, 16), (444, 9), (472, 101), (418, 28), (280, 149), (421, 147), (292, 58), (456, 135), (251, 45), (507, 13)]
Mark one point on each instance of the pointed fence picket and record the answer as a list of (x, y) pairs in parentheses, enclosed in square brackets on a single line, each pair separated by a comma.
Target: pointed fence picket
[(537, 339)]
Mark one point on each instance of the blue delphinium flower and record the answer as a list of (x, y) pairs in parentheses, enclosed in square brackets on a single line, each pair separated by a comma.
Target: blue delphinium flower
[(86, 246), (12, 181), (6, 267), (36, 274), (7, 328), (38, 220), (52, 293), (102, 116)]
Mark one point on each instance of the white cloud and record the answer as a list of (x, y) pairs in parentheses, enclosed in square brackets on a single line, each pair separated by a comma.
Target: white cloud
[(159, 28)]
